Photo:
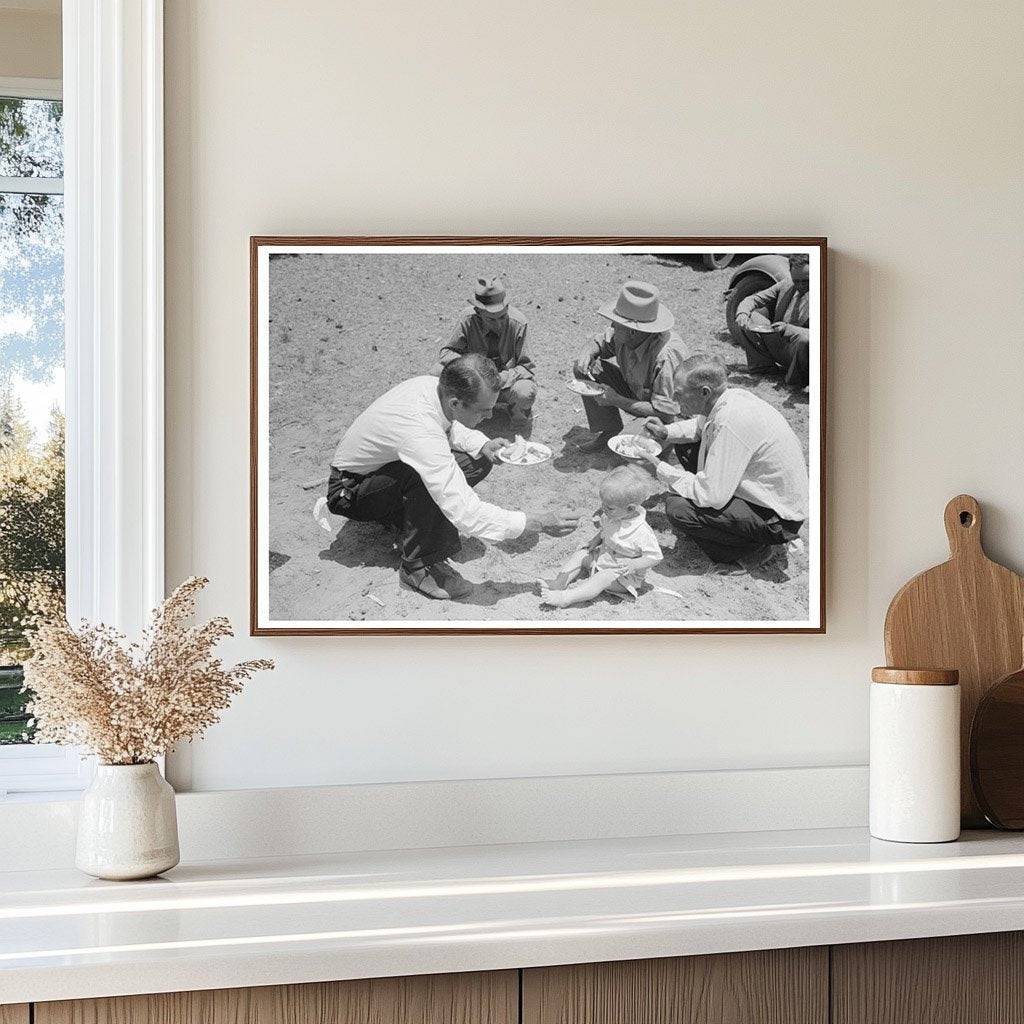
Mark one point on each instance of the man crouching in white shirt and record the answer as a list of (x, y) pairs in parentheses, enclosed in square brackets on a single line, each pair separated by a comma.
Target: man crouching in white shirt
[(749, 490), (411, 460)]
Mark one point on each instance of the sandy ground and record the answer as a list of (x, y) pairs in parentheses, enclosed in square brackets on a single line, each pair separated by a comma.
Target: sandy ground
[(345, 328)]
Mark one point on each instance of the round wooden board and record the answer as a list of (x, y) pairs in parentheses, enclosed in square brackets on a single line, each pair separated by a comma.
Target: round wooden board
[(997, 752)]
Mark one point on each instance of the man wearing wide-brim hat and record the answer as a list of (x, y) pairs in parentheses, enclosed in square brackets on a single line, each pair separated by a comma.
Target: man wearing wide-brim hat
[(490, 327), (635, 358)]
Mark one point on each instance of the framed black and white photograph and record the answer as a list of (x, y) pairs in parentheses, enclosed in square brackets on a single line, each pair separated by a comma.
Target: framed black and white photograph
[(537, 435)]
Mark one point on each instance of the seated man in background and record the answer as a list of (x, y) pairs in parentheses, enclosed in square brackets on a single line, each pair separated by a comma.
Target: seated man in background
[(785, 308), (750, 490), (412, 459), (490, 327), (635, 358)]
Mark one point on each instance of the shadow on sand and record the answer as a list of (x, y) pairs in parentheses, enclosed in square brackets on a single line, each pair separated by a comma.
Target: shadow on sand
[(500, 425), (490, 592), (472, 549), (571, 460), (793, 397), (519, 545), (684, 559), (773, 572), (362, 544)]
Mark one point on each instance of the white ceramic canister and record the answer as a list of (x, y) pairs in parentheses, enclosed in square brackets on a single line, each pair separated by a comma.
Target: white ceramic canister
[(915, 755), (127, 825)]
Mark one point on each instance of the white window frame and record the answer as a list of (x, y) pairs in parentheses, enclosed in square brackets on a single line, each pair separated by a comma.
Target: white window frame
[(114, 325), (31, 89)]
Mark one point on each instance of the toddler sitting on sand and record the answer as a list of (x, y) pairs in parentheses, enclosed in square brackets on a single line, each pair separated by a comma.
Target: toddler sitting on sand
[(618, 556)]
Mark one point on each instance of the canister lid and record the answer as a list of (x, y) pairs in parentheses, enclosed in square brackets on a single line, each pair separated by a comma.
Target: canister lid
[(916, 676)]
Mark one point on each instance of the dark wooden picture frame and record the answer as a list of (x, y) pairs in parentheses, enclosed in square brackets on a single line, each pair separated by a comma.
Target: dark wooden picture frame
[(710, 248)]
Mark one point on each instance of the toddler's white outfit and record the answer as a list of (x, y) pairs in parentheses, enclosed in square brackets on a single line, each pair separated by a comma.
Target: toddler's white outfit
[(621, 540)]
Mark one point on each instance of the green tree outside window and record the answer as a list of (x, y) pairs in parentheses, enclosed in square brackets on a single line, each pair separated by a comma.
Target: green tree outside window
[(32, 496)]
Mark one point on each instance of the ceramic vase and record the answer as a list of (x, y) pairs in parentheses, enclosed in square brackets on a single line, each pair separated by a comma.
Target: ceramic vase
[(127, 825)]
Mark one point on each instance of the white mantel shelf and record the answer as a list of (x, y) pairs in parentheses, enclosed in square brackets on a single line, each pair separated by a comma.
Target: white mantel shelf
[(265, 922)]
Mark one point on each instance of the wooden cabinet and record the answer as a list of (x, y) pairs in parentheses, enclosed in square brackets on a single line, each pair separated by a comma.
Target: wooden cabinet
[(970, 979), (963, 979), (491, 998), (777, 986)]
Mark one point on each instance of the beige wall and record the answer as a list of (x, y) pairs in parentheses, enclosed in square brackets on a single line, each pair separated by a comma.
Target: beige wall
[(895, 129), (30, 43)]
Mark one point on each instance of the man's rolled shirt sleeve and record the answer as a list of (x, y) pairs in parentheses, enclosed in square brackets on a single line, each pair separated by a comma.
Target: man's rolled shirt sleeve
[(466, 440), (432, 459), (715, 485), (668, 474), (760, 302), (685, 431)]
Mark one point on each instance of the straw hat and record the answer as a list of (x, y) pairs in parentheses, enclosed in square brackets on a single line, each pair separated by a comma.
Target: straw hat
[(638, 307), (490, 294)]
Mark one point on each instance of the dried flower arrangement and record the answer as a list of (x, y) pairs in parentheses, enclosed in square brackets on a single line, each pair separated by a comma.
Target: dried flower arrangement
[(130, 703)]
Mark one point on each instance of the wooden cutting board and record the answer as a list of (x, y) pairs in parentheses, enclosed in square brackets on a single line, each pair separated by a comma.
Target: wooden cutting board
[(967, 614)]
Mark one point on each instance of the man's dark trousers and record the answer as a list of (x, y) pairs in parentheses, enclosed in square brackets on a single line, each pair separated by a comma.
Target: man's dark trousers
[(738, 530), (767, 350), (606, 419), (394, 495)]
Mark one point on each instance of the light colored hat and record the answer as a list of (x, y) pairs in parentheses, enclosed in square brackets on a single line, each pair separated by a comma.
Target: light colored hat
[(490, 294), (638, 307)]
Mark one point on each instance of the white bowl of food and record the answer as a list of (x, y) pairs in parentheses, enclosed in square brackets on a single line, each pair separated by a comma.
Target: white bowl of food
[(634, 446), (524, 453), (585, 387)]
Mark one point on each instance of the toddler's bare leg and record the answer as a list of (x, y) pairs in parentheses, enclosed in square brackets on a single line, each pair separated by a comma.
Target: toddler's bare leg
[(570, 570), (578, 593)]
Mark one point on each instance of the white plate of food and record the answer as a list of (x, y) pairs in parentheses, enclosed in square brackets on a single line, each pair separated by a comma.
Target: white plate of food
[(633, 446), (584, 387), (525, 453)]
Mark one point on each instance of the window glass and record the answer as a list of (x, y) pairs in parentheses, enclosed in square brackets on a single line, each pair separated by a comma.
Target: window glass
[(31, 138), (31, 387)]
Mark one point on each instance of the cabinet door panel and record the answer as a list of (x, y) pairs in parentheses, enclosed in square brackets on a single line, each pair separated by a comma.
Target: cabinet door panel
[(960, 979), (481, 998), (14, 1013), (778, 986)]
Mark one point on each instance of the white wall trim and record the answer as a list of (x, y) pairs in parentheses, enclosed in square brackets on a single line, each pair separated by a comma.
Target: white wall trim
[(242, 824), (44, 770), (113, 91), (31, 88)]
